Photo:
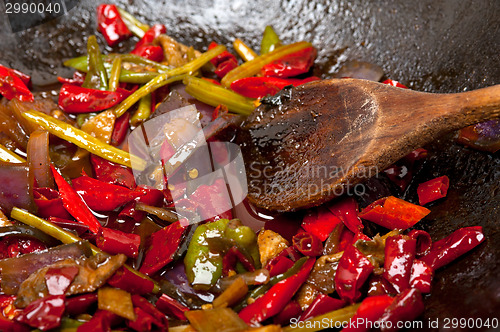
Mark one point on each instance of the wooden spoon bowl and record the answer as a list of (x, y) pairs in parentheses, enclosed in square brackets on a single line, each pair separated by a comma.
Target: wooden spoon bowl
[(318, 141)]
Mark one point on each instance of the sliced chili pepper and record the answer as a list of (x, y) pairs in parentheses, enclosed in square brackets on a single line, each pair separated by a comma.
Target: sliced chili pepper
[(213, 201), (74, 204), (259, 86), (110, 172), (279, 265), (111, 25), (346, 239), (308, 244), (164, 245), (424, 241), (433, 189), (58, 279), (115, 242), (370, 310), (147, 315), (401, 172), (7, 325), (101, 321), (453, 246), (274, 300), (75, 99), (225, 55), (224, 62), (233, 256), (211, 80), (44, 313), (399, 256), (149, 36), (76, 226), (291, 65), (391, 212), (421, 276), (347, 211), (406, 306), (322, 304), (130, 282), (103, 196), (120, 130), (78, 79), (150, 52), (394, 83), (170, 306), (12, 86), (49, 203), (24, 77), (353, 270), (378, 285), (290, 311), (151, 196), (320, 222), (80, 304)]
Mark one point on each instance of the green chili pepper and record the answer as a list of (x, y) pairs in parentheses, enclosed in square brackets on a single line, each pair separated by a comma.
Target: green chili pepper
[(246, 238), (204, 267), (143, 111), (214, 95), (270, 40), (114, 76), (97, 77), (253, 67)]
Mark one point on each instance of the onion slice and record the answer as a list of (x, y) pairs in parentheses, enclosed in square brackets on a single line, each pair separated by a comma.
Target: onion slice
[(38, 158)]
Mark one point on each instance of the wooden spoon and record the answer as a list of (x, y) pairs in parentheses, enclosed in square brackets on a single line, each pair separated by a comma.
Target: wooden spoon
[(318, 141)]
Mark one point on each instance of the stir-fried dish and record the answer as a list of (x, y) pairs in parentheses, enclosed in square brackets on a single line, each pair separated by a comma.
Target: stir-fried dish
[(95, 238)]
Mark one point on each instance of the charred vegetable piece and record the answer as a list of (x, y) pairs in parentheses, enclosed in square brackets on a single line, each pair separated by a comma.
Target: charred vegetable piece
[(12, 86), (102, 196), (392, 212), (44, 313), (111, 25), (164, 245), (115, 242), (433, 189), (353, 270), (453, 246), (274, 300), (399, 256), (74, 204), (291, 64)]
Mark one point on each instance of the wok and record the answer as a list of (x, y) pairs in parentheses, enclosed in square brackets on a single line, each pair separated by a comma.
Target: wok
[(429, 45)]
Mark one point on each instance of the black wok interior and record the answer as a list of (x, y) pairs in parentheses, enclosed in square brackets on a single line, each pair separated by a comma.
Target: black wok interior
[(428, 45)]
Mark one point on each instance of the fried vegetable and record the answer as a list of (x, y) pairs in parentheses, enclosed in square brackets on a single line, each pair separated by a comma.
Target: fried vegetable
[(270, 245), (116, 301)]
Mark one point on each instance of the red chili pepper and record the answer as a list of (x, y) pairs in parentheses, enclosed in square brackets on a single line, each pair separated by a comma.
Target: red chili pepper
[(406, 306), (259, 86), (424, 241), (291, 65), (7, 325), (346, 239), (78, 227), (308, 244), (58, 279), (421, 276), (321, 305), (112, 173), (278, 265), (290, 311), (399, 256), (80, 304), (22, 76), (453, 246), (171, 307), (290, 253), (272, 302), (433, 189), (14, 246), (130, 282), (49, 203), (224, 62), (12, 86), (394, 83), (150, 52), (352, 272), (78, 79), (103, 196), (221, 57), (370, 310), (147, 315), (149, 36), (74, 204), (232, 257), (75, 99), (402, 171), (347, 211), (111, 25), (391, 212), (115, 242), (101, 321), (213, 201), (320, 222), (211, 80), (164, 245), (120, 130), (44, 313), (153, 197)]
